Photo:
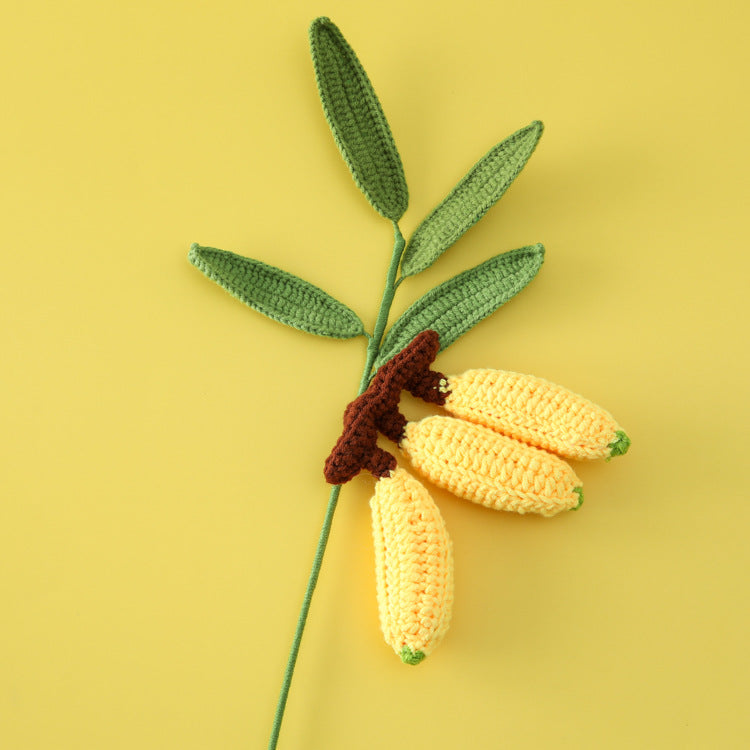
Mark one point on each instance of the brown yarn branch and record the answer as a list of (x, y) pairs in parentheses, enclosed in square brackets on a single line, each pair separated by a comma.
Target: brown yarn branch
[(376, 410)]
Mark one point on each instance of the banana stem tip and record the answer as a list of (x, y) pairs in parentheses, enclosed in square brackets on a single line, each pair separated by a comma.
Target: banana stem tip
[(411, 657), (619, 446)]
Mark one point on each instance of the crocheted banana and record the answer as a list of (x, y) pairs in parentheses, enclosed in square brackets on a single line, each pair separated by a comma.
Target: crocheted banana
[(413, 566), (478, 464), (536, 412), (497, 450)]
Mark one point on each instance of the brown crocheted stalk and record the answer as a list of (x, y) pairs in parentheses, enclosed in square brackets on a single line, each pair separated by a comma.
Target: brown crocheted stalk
[(376, 410)]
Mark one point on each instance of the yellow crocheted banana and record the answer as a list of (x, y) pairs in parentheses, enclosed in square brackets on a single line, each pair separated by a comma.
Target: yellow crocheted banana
[(413, 566), (503, 448), (537, 412), (481, 465)]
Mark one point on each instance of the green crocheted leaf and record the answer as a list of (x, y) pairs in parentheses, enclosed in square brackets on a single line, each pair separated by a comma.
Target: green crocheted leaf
[(357, 121), (470, 200), (460, 303), (277, 294)]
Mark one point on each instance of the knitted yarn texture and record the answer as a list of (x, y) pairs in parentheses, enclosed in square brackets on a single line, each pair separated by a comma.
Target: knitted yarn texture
[(469, 201), (278, 294), (413, 566), (536, 411), (498, 451), (480, 465), (357, 121), (457, 305), (376, 410)]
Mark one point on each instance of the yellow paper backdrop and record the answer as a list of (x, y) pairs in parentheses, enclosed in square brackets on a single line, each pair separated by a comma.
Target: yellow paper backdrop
[(162, 445)]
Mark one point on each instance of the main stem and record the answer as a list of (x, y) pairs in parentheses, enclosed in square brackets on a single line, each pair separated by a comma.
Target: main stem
[(372, 351)]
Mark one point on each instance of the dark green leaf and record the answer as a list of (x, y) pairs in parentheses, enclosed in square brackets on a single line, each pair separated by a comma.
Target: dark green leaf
[(460, 303), (470, 200), (357, 121), (277, 294)]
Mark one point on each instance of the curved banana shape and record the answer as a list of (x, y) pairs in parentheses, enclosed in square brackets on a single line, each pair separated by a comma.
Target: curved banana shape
[(413, 566), (478, 464), (536, 412)]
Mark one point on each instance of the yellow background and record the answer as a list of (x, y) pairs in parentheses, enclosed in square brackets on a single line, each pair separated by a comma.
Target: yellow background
[(162, 445)]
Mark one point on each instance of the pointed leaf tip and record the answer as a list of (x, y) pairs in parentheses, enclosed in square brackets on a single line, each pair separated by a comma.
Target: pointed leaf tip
[(357, 121), (277, 294), (484, 185)]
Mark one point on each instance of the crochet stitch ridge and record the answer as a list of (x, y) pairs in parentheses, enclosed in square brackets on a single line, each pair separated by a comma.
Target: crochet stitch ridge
[(357, 121), (413, 565), (479, 190), (475, 463), (466, 299), (537, 412), (273, 290)]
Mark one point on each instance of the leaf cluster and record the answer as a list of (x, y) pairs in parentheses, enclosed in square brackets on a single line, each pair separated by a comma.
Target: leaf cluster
[(366, 143)]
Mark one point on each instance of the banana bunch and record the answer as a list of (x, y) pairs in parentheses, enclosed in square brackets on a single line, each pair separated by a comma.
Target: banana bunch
[(503, 447)]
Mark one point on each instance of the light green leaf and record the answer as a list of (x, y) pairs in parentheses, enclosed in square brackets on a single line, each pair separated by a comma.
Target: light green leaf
[(470, 200), (357, 121), (460, 303), (277, 294)]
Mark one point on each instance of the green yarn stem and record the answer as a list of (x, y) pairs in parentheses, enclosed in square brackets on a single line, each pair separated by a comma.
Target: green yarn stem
[(313, 580), (373, 348)]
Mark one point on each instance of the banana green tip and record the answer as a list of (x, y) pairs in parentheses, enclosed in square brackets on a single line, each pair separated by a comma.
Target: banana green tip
[(579, 492), (619, 446), (411, 657)]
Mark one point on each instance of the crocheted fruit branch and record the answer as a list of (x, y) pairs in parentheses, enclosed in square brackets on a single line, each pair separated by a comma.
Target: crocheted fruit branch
[(522, 407), (499, 453), (414, 561), (376, 410)]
